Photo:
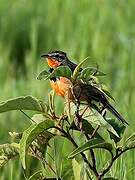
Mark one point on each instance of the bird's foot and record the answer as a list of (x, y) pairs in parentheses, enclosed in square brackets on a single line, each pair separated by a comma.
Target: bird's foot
[(78, 123)]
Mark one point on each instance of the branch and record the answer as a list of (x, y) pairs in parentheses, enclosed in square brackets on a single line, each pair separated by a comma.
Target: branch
[(40, 157), (113, 160), (92, 154), (68, 136), (95, 131)]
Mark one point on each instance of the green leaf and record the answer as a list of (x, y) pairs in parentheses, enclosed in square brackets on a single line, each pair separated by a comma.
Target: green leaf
[(130, 138), (37, 118), (86, 127), (89, 71), (130, 142), (93, 116), (51, 101), (130, 145), (58, 151), (63, 71), (61, 150), (43, 75), (30, 134), (91, 144), (37, 175), (21, 103), (77, 70), (109, 178), (118, 127), (76, 169)]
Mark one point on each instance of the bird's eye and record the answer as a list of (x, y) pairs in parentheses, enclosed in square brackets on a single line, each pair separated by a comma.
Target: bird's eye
[(57, 55), (62, 57)]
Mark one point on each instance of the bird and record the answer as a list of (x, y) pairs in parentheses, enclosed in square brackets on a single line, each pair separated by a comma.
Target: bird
[(81, 90), (58, 58), (55, 59)]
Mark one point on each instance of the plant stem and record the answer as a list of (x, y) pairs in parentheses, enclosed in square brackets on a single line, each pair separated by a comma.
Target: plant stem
[(92, 154), (95, 131), (42, 159), (112, 161), (49, 166), (85, 159), (68, 136), (27, 116)]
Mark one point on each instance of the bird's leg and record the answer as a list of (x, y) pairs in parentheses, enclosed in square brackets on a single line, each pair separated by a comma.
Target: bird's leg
[(85, 109), (61, 120), (77, 96), (103, 111), (78, 120)]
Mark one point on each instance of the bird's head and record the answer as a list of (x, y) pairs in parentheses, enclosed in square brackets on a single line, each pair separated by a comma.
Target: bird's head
[(55, 58)]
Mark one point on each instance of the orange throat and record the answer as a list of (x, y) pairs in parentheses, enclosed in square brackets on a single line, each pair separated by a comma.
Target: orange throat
[(53, 63)]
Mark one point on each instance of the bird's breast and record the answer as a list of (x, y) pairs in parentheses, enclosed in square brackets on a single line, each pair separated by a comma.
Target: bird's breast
[(61, 86)]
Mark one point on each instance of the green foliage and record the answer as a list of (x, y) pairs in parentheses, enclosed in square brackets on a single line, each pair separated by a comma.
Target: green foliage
[(91, 144), (130, 142), (130, 138), (61, 150), (37, 175), (87, 73), (49, 136), (31, 134), (119, 128), (59, 71), (21, 103), (86, 127), (27, 29), (77, 69), (43, 75), (94, 117), (110, 178), (7, 152)]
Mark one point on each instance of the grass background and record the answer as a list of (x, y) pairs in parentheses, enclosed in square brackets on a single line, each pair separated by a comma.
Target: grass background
[(101, 29)]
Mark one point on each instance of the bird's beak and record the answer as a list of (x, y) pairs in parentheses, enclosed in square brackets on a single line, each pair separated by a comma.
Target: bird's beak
[(45, 56)]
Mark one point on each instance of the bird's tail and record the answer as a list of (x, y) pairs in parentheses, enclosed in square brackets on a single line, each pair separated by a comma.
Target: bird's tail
[(116, 113)]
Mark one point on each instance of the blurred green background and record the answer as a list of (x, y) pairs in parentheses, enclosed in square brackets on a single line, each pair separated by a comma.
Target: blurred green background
[(101, 29)]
